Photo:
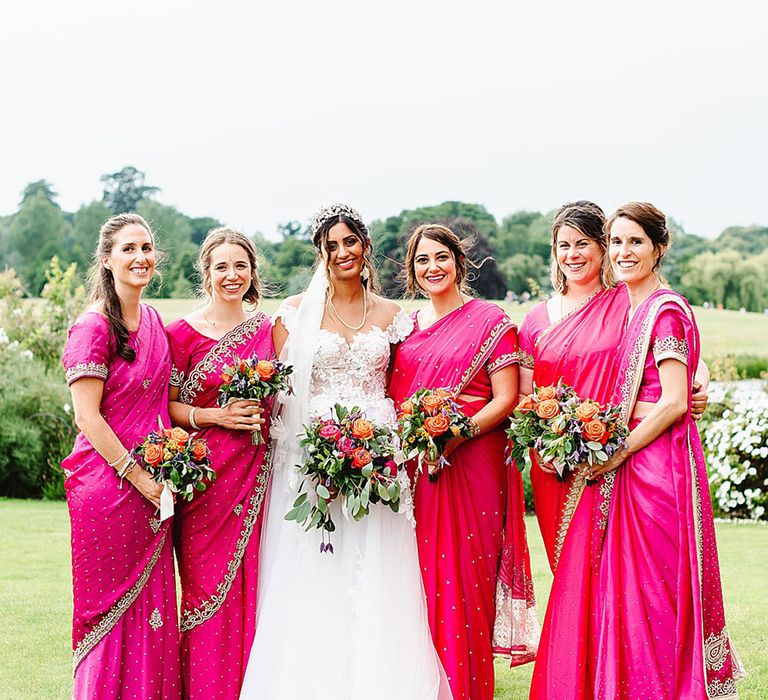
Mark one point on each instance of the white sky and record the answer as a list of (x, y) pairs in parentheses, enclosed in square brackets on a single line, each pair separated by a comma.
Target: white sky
[(257, 113)]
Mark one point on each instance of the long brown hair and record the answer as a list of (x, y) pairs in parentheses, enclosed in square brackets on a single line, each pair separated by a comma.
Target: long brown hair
[(218, 236), (101, 281), (443, 235), (588, 219)]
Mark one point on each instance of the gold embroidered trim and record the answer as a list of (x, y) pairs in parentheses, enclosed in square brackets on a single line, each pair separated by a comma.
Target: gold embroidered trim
[(114, 614), (722, 691), (488, 345), (716, 650), (154, 524), (238, 509), (575, 490), (177, 376), (670, 348), (146, 383), (155, 620), (87, 369), (503, 361), (208, 608), (525, 359), (606, 489), (193, 383)]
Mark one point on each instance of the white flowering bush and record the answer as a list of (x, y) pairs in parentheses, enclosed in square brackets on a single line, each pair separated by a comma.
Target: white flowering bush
[(735, 437)]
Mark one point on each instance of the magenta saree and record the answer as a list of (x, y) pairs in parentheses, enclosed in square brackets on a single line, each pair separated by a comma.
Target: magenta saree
[(661, 626), (469, 523), (218, 533), (580, 350), (124, 632)]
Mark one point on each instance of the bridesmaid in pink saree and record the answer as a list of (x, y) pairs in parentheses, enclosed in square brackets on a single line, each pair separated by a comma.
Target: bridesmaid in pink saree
[(117, 363), (573, 337), (469, 523), (661, 629), (218, 533)]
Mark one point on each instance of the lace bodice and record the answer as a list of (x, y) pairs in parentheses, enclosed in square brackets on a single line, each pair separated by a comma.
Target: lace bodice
[(351, 373)]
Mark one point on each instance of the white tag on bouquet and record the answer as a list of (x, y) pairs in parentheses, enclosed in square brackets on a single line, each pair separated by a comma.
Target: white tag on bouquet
[(166, 502)]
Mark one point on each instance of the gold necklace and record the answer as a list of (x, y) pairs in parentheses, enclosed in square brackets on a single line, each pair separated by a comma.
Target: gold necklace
[(335, 313)]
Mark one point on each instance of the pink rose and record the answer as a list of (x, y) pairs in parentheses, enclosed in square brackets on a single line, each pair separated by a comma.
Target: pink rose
[(346, 445), (329, 432), (392, 466)]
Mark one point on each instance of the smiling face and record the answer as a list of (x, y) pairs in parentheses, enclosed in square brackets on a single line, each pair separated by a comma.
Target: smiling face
[(434, 267), (578, 256), (229, 272), (132, 258), (632, 253), (343, 252)]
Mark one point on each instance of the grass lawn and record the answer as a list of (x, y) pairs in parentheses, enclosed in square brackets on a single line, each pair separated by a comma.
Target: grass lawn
[(36, 602), (722, 332)]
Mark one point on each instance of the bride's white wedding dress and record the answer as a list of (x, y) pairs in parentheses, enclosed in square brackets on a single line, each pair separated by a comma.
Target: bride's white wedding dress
[(351, 625)]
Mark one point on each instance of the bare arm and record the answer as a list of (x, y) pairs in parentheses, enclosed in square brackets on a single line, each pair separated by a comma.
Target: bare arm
[(86, 398), (239, 415), (526, 381), (673, 404), (504, 390), (700, 399)]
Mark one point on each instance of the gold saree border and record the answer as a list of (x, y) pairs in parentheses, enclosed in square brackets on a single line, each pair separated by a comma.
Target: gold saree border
[(189, 388), (113, 615), (209, 607), (487, 347)]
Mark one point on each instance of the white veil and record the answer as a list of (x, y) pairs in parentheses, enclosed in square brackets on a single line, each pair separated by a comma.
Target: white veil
[(303, 326)]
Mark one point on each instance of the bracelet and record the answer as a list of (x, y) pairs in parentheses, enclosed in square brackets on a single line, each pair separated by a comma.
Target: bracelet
[(475, 427), (191, 418), (126, 470), (118, 460)]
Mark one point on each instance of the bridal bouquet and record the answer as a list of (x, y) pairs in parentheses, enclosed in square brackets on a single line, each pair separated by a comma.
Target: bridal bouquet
[(348, 458), (426, 422), (564, 429), (254, 380), (178, 461)]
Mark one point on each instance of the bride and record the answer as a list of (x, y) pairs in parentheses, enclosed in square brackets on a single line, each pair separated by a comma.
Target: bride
[(350, 624)]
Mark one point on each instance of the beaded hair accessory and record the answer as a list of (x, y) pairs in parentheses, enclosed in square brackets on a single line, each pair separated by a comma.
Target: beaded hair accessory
[(338, 209)]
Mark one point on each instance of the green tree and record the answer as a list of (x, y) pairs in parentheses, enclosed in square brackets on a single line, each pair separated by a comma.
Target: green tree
[(38, 231), (42, 186), (750, 240), (200, 226), (85, 233), (125, 189), (525, 273), (523, 233)]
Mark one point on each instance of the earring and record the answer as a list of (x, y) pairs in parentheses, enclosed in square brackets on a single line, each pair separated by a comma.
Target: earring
[(364, 274)]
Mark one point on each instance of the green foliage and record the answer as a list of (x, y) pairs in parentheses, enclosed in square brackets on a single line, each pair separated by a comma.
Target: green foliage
[(37, 232), (85, 233), (43, 187), (125, 190), (728, 279)]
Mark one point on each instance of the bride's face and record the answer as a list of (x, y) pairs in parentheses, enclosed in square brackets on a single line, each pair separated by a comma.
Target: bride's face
[(343, 253)]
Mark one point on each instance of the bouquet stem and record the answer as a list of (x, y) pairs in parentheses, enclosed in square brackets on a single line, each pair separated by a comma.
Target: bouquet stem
[(256, 437)]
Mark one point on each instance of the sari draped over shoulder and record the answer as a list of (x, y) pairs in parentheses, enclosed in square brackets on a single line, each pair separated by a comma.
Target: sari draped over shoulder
[(124, 632), (218, 532), (469, 523), (579, 350), (661, 625)]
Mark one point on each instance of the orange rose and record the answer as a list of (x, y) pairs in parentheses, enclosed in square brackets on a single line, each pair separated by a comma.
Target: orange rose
[(527, 404), (265, 369), (406, 408), (545, 393), (199, 450), (596, 431), (431, 403), (178, 435), (361, 457), (153, 454), (226, 378), (587, 410), (436, 425), (442, 393), (362, 429), (547, 409)]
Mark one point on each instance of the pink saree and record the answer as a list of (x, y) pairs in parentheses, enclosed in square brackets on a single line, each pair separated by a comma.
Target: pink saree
[(661, 626), (469, 523), (124, 631), (580, 350), (218, 533)]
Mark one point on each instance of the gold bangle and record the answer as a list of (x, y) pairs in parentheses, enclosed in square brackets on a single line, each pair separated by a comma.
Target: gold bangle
[(130, 464), (191, 418), (119, 460), (475, 427)]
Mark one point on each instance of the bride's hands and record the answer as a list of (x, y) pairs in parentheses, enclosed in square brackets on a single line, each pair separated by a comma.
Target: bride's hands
[(241, 415)]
